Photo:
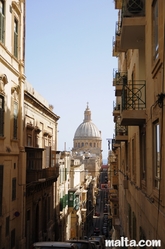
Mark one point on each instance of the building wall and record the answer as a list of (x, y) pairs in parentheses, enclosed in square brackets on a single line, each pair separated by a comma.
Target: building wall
[(12, 155), (141, 204), (42, 170)]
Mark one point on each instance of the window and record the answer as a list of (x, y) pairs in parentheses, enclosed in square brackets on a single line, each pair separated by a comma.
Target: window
[(13, 189), (156, 144), (130, 220), (1, 116), (7, 225), (155, 29), (15, 120), (1, 188), (2, 21), (133, 159), (143, 153), (13, 238), (134, 226), (16, 38)]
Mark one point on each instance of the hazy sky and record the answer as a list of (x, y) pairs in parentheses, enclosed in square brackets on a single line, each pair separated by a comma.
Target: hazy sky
[(69, 61)]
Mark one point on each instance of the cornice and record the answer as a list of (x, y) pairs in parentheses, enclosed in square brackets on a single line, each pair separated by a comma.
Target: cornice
[(35, 102)]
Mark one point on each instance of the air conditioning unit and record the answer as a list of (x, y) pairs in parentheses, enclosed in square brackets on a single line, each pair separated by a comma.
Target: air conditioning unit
[(134, 8)]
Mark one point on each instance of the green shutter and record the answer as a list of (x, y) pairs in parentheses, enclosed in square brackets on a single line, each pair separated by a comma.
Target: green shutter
[(61, 204), (66, 199), (64, 202), (70, 199)]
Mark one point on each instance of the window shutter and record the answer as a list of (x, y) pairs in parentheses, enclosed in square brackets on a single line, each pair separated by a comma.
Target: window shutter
[(1, 116), (15, 44), (1, 188)]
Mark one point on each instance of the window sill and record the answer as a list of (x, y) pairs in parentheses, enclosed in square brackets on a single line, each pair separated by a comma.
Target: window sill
[(14, 140)]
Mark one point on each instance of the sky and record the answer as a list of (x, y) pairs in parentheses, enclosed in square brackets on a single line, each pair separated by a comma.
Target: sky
[(68, 60)]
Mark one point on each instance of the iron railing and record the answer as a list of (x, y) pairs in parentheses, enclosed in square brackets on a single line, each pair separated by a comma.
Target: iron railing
[(121, 130), (120, 77), (118, 28), (133, 8), (116, 106), (134, 95)]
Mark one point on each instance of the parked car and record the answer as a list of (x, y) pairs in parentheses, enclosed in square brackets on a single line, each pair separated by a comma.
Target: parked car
[(82, 244), (98, 238), (97, 241), (93, 244), (53, 244)]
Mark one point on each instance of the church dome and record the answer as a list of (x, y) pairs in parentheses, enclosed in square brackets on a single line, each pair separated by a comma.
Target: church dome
[(87, 129)]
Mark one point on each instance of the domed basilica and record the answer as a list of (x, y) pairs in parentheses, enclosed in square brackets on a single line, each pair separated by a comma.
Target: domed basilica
[(87, 138)]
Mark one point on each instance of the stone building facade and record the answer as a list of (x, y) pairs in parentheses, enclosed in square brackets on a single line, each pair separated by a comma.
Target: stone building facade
[(139, 112), (42, 168), (12, 153)]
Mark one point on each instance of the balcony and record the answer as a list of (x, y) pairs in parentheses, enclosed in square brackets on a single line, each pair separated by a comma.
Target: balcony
[(116, 110), (40, 175), (118, 4), (114, 50), (133, 103), (121, 133), (132, 24), (115, 144), (117, 40), (119, 80)]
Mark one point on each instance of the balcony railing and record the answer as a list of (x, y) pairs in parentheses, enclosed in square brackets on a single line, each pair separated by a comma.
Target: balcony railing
[(134, 95), (134, 103), (133, 8), (116, 110), (115, 144), (121, 133), (121, 130), (119, 77), (118, 29), (116, 106)]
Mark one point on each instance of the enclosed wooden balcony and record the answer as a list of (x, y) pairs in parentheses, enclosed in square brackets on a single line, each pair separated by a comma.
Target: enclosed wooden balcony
[(134, 103), (34, 171), (133, 24), (42, 175)]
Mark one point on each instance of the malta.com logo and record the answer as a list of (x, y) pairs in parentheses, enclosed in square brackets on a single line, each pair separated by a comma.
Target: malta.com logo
[(124, 241)]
